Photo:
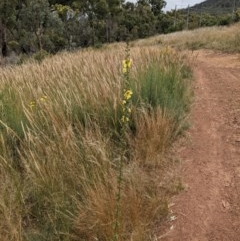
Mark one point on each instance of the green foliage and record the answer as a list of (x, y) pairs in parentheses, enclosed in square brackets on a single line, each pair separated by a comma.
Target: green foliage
[(40, 55), (157, 6), (53, 25), (237, 15), (56, 25), (42, 25), (12, 124), (167, 89), (105, 114), (14, 46), (11, 113)]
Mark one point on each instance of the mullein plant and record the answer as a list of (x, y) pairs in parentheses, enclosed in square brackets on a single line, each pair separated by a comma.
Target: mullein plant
[(33, 103), (126, 109)]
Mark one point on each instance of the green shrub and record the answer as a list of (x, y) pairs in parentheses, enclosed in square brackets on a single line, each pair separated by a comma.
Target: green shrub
[(40, 55), (166, 89), (13, 122)]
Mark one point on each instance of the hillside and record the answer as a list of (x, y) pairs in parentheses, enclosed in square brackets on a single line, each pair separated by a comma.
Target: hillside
[(87, 146), (216, 6)]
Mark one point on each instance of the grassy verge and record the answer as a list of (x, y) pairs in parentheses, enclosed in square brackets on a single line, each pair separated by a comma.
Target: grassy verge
[(226, 39), (59, 144)]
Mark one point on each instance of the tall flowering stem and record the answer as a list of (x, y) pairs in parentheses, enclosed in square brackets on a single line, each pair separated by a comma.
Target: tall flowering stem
[(125, 118), (127, 92)]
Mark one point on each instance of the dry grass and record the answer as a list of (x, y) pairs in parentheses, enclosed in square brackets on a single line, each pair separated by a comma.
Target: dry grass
[(59, 145), (225, 39)]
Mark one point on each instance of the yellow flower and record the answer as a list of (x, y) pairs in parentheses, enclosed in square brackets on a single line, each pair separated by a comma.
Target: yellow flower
[(124, 102), (124, 70), (43, 98), (128, 110), (124, 119), (32, 104), (128, 94), (127, 64)]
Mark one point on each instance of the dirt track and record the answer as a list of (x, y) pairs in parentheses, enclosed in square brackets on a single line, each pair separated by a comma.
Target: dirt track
[(209, 208)]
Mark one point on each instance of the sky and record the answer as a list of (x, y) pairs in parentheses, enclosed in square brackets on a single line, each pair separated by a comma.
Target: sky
[(179, 3)]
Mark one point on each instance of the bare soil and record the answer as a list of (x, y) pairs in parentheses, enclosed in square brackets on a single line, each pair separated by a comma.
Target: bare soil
[(209, 207)]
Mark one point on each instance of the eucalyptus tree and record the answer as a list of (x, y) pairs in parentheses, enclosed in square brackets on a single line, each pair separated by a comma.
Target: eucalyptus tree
[(77, 31), (7, 19), (157, 6), (40, 26)]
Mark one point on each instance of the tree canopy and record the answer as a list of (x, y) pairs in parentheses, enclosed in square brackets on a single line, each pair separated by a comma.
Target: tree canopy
[(29, 26)]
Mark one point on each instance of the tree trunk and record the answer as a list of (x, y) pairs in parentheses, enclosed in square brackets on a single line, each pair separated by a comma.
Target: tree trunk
[(3, 31), (39, 35)]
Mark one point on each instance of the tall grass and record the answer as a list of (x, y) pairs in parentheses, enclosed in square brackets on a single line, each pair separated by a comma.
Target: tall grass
[(59, 144), (226, 39)]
